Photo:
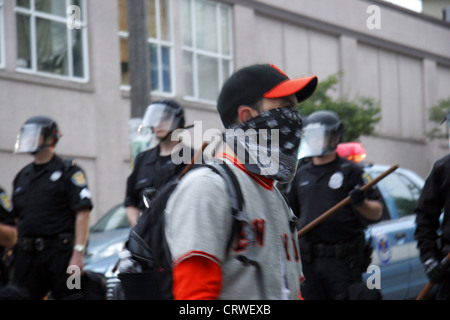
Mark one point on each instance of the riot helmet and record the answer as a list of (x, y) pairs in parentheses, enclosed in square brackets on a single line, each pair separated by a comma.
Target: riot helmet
[(323, 131), (163, 116), (38, 133)]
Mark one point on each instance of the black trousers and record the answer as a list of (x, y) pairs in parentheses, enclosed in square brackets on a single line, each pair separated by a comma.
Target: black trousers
[(41, 272), (330, 278)]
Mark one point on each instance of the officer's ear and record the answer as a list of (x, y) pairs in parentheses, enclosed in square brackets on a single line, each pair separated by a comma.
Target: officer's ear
[(51, 142)]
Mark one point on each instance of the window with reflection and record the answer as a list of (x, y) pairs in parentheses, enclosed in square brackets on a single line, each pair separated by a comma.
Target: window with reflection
[(207, 47), (52, 38), (404, 193), (160, 45)]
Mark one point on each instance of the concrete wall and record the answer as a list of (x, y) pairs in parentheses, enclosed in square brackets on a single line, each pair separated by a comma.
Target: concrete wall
[(92, 116), (405, 65), (434, 7)]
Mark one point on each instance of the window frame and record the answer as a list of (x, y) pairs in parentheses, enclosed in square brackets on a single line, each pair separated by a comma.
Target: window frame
[(160, 43), (33, 14), (196, 52)]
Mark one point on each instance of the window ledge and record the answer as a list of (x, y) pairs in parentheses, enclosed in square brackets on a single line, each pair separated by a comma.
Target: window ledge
[(46, 81), (125, 92)]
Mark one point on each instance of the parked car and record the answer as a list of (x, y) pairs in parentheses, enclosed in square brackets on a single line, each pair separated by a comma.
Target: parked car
[(394, 247), (106, 239)]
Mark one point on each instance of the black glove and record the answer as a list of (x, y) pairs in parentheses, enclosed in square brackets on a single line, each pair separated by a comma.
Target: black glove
[(434, 270), (357, 197)]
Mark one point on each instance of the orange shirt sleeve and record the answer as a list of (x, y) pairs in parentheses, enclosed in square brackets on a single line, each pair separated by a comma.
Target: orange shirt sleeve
[(197, 278)]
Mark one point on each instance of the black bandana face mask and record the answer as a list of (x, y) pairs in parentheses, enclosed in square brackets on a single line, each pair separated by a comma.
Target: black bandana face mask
[(268, 144)]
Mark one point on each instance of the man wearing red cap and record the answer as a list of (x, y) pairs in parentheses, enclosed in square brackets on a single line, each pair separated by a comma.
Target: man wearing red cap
[(257, 106)]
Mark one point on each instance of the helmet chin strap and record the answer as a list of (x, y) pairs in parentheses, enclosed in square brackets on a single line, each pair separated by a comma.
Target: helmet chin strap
[(167, 136), (44, 146), (40, 148)]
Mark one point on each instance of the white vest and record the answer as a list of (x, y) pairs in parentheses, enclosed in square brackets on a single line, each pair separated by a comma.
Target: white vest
[(199, 221)]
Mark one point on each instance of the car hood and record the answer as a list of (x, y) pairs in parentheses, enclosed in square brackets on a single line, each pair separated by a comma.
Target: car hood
[(103, 249)]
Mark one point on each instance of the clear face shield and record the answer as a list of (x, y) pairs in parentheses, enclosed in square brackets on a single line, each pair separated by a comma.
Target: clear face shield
[(29, 139), (159, 119), (317, 141)]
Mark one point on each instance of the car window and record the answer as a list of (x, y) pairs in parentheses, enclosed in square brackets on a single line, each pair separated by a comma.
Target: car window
[(116, 218), (403, 191)]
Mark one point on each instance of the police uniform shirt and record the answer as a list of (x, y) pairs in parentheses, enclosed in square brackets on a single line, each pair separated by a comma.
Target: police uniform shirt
[(47, 197), (150, 172), (315, 189)]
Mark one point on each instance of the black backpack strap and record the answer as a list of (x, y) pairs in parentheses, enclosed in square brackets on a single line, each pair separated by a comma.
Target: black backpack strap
[(139, 248), (241, 220), (237, 200), (234, 189), (147, 241), (68, 164), (294, 221)]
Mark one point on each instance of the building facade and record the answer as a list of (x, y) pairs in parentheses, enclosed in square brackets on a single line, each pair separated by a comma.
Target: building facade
[(439, 9), (68, 59)]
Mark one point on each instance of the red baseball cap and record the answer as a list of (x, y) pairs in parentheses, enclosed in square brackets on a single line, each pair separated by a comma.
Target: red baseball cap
[(248, 85)]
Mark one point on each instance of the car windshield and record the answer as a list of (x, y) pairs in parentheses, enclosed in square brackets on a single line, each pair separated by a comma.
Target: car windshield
[(116, 218), (402, 191)]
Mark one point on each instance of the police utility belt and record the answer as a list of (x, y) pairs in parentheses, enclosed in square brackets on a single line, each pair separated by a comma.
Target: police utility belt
[(339, 250), (63, 242)]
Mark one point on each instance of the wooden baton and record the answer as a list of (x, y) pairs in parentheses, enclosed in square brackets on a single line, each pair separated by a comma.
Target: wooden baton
[(343, 203), (196, 155)]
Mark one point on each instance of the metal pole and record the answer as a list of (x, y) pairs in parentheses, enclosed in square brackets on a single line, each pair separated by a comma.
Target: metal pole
[(139, 57)]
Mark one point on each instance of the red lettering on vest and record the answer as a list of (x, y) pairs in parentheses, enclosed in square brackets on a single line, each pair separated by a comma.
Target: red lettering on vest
[(284, 238), (258, 227), (242, 242), (296, 254)]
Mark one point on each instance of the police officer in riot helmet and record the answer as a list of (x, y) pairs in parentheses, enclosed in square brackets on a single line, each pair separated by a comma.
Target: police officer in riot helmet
[(334, 253), (52, 204), (323, 132), (155, 167)]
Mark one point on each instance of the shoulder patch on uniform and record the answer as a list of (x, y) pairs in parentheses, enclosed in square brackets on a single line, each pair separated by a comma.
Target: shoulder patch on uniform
[(78, 179), (5, 202), (367, 177)]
